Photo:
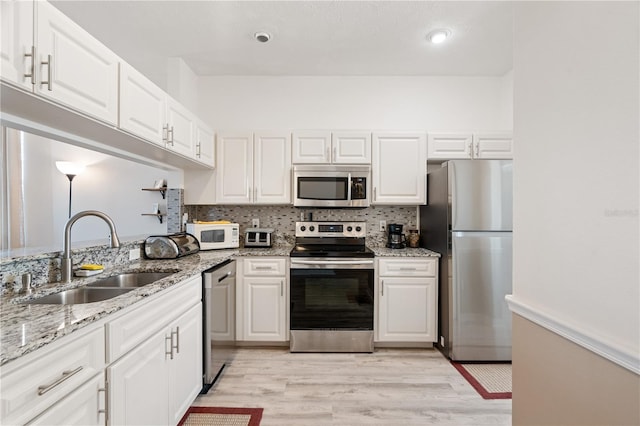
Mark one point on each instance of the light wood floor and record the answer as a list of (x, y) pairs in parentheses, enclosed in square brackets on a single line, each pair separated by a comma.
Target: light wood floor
[(388, 387)]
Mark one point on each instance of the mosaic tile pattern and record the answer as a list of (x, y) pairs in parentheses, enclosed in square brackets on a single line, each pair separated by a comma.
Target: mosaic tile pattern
[(175, 208), (283, 218)]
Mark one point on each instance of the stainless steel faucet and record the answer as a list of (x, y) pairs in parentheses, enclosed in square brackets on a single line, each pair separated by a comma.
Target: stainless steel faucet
[(66, 264)]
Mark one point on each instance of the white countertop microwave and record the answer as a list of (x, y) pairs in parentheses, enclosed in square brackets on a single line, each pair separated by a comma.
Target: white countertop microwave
[(213, 236), (331, 186)]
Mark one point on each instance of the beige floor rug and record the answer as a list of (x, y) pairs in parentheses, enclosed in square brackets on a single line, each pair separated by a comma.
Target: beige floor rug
[(490, 380), (221, 416)]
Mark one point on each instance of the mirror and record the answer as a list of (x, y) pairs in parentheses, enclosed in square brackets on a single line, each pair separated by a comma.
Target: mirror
[(35, 194)]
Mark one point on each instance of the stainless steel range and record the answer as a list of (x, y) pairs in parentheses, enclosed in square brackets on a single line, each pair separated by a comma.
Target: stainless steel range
[(331, 284)]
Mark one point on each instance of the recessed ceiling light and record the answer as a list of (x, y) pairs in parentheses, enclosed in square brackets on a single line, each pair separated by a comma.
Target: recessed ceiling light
[(262, 37), (438, 36)]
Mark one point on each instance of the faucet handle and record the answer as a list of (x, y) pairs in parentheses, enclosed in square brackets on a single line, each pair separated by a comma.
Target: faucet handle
[(26, 283)]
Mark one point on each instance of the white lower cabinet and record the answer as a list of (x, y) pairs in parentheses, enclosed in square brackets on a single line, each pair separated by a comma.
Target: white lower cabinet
[(407, 300), (41, 381), (83, 407), (155, 382), (262, 300)]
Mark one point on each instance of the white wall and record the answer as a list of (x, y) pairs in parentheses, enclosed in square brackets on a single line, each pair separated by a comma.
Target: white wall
[(109, 184), (576, 170), (385, 103)]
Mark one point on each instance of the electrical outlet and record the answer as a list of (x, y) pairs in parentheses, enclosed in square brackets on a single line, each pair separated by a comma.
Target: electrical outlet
[(383, 225), (134, 254), (255, 223)]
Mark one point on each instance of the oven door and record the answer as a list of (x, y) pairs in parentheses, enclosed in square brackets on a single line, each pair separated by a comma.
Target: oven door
[(331, 294)]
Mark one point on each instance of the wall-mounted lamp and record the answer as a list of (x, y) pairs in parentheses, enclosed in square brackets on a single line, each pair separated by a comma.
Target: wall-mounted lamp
[(71, 170)]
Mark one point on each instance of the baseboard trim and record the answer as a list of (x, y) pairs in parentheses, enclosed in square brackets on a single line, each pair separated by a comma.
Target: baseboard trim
[(595, 344)]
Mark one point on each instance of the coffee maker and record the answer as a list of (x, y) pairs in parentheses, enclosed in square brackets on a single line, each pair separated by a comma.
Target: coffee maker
[(395, 237)]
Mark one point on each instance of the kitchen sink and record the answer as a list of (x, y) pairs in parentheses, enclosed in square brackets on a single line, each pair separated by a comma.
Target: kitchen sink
[(79, 295), (102, 289), (130, 280)]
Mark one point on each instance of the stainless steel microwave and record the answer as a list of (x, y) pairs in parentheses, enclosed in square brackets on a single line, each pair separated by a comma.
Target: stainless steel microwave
[(331, 186)]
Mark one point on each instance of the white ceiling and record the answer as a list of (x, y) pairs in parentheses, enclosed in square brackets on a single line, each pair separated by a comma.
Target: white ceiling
[(308, 37)]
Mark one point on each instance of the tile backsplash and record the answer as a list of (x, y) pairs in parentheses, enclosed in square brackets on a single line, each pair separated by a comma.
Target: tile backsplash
[(283, 218)]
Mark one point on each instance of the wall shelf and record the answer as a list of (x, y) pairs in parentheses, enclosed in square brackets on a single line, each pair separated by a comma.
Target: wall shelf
[(162, 191), (158, 215)]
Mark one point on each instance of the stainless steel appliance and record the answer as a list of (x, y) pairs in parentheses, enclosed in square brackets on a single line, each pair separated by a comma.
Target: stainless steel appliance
[(395, 237), (331, 286), (219, 325), (170, 246), (215, 235), (331, 186), (468, 220), (258, 237)]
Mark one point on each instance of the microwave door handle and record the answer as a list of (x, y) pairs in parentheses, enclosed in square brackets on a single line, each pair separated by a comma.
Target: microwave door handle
[(349, 185)]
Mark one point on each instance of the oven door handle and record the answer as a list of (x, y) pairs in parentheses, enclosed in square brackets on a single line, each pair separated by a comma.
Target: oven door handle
[(331, 262)]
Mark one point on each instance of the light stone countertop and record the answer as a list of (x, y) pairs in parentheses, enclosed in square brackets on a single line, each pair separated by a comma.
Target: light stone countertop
[(25, 328), (405, 252)]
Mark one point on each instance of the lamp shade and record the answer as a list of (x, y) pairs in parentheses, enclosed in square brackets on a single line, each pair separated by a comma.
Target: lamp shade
[(69, 168)]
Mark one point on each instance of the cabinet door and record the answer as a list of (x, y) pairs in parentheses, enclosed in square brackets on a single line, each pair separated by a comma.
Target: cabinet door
[(205, 146), (351, 147), (74, 68), (311, 147), (493, 146), (143, 105), (407, 310), (185, 369), (138, 384), (83, 407), (16, 41), (447, 146), (265, 309), (181, 128), (234, 163), (399, 168), (272, 178)]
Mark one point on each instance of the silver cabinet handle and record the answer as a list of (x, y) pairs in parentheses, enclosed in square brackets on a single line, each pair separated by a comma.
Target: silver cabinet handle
[(470, 152), (48, 62), (170, 351), (408, 269), (65, 375), (375, 194), (263, 268), (177, 345), (198, 149), (104, 411), (170, 140), (382, 287), (281, 288), (477, 149), (32, 68)]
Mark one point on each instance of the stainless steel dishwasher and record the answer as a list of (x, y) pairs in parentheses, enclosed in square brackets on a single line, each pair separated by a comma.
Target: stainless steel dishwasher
[(219, 325)]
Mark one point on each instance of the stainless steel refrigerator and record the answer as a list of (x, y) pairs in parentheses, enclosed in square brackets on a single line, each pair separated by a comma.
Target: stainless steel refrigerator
[(468, 220)]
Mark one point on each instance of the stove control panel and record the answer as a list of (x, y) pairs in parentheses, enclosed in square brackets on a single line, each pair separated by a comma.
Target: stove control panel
[(331, 229)]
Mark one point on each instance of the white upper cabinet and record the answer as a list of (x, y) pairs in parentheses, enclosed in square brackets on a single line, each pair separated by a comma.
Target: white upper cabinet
[(234, 156), (205, 144), (17, 61), (272, 168), (493, 145), (73, 68), (399, 168), (325, 147), (142, 105), (253, 168), (449, 146), (351, 147), (180, 130), (311, 147)]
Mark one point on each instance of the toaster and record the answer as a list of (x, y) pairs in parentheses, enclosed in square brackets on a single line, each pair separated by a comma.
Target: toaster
[(258, 237), (170, 246)]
